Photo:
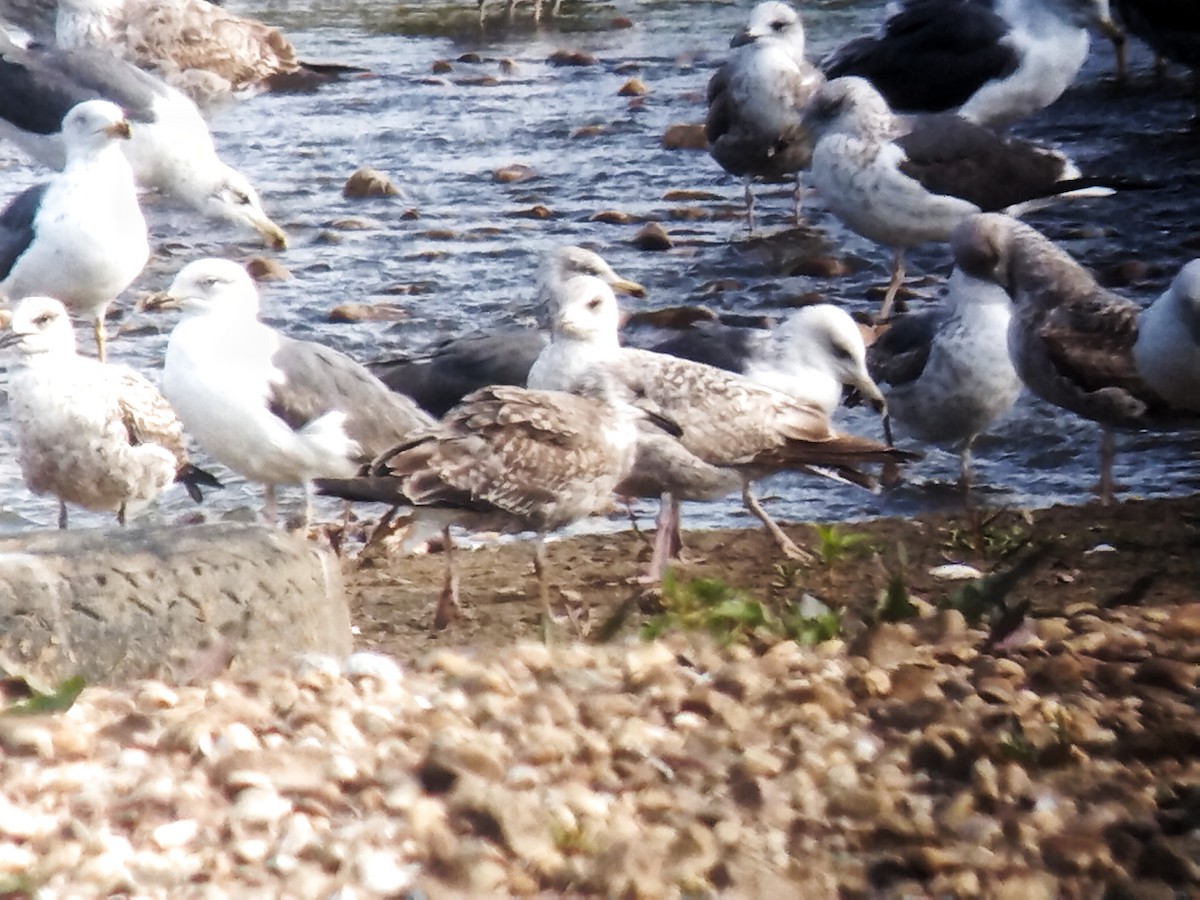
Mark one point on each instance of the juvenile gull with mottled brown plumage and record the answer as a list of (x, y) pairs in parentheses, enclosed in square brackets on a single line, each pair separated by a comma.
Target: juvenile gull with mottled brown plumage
[(727, 421), (1081, 346), (508, 459), (93, 434), (195, 46), (275, 409)]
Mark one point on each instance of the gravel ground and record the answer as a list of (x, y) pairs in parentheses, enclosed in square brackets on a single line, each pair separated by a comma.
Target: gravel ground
[(914, 761)]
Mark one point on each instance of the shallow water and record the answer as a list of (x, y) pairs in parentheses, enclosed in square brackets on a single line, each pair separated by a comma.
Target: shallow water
[(457, 251)]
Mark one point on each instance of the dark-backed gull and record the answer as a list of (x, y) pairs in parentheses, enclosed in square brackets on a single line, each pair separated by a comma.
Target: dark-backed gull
[(907, 182), (991, 62), (508, 459), (727, 421), (1079, 345), (274, 409), (92, 434), (756, 99), (196, 46), (170, 147), (456, 366), (946, 372), (79, 237)]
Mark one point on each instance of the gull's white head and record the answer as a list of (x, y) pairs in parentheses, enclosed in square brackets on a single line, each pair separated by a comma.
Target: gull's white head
[(568, 262), (826, 338), (213, 287), (850, 105), (584, 308), (40, 326), (93, 125), (229, 195), (776, 24), (1186, 291)]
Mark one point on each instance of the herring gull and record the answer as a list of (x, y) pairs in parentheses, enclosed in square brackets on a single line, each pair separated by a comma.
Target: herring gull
[(755, 101), (196, 46), (81, 236), (1082, 347), (510, 459), (945, 372), (275, 409), (992, 63), (908, 182), (93, 434), (170, 147), (456, 366), (727, 421)]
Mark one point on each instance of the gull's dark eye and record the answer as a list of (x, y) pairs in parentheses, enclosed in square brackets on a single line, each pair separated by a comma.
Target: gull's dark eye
[(595, 303), (778, 25), (842, 352), (43, 320), (241, 197)]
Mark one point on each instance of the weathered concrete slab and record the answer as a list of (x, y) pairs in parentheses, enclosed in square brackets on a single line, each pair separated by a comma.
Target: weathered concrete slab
[(114, 604)]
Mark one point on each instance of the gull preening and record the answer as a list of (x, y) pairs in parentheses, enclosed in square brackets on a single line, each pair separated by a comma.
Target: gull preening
[(1082, 347), (92, 434), (79, 237), (509, 459), (170, 147), (756, 99), (274, 409), (945, 372), (907, 182), (992, 63), (726, 420)]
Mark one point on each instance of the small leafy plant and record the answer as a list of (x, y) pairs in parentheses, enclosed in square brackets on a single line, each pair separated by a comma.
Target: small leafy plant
[(834, 545)]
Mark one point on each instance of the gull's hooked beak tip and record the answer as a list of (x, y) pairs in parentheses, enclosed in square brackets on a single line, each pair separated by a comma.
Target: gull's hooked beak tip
[(120, 130), (273, 235), (159, 301), (632, 288), (742, 38)]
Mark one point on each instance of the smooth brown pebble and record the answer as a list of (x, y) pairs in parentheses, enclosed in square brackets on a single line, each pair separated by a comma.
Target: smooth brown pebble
[(367, 312), (682, 136), (369, 183), (652, 236), (441, 67), (534, 212), (619, 23), (589, 131), (611, 217), (263, 269), (572, 58), (634, 87), (514, 173)]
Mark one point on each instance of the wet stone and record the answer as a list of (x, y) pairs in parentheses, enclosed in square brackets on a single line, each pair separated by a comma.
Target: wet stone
[(611, 217), (262, 268), (514, 174), (634, 87), (365, 183), (368, 312), (572, 58), (441, 67), (652, 236), (681, 136)]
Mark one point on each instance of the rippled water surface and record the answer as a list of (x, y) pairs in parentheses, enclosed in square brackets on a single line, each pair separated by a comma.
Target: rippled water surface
[(458, 250)]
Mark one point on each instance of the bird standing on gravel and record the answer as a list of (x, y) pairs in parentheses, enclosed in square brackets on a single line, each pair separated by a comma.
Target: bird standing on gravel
[(275, 409), (81, 236), (96, 435)]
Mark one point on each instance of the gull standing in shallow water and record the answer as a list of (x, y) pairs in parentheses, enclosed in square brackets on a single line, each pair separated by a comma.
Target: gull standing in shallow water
[(737, 430), (511, 459), (945, 372), (97, 435), (905, 182), (755, 101), (170, 147), (1082, 347), (275, 409), (81, 236), (991, 62)]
